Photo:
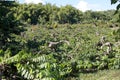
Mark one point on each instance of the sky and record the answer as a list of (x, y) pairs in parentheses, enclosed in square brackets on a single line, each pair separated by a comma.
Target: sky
[(83, 5)]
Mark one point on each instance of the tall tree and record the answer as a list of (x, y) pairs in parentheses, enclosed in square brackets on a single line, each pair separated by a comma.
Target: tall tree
[(69, 14), (9, 24)]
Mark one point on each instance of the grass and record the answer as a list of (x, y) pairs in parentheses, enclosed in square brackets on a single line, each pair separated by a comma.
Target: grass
[(101, 75)]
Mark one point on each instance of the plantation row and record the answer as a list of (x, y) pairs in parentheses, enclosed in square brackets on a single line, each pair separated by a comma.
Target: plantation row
[(77, 51)]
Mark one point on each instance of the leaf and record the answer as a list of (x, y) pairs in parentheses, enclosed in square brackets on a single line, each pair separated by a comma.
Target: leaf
[(114, 1), (118, 6), (24, 72)]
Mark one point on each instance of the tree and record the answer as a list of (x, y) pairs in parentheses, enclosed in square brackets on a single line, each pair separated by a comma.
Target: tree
[(69, 14), (9, 24)]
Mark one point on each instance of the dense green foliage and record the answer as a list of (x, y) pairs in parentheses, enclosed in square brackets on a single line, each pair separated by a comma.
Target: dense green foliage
[(37, 60), (51, 14), (9, 24), (59, 42)]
